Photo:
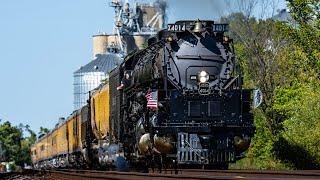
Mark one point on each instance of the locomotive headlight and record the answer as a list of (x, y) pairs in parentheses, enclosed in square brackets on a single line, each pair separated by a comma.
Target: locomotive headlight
[(203, 76)]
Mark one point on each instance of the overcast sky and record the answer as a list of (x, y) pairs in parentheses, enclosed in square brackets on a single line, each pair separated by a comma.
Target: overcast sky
[(43, 42)]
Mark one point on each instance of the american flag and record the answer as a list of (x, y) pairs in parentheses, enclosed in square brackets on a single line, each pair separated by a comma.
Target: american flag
[(152, 98)]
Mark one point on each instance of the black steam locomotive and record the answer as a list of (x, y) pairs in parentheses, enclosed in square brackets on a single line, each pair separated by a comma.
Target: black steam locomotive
[(181, 98)]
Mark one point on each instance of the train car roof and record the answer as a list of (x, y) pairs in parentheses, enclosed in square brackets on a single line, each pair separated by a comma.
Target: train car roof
[(73, 114), (99, 88)]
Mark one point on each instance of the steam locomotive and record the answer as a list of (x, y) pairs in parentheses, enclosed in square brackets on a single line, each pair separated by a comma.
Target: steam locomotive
[(180, 100)]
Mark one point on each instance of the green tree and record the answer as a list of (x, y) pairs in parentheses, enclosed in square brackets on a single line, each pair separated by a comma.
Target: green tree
[(11, 141), (43, 131), (299, 142), (283, 60), (278, 58), (305, 32), (298, 100), (26, 144), (16, 147)]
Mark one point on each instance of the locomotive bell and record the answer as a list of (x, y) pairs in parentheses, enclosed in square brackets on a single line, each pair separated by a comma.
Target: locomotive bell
[(198, 27)]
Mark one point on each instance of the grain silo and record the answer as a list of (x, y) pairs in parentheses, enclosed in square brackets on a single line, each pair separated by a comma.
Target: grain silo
[(91, 76), (101, 43)]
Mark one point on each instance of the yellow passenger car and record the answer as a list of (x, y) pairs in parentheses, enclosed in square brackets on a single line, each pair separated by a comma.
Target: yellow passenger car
[(41, 149), (100, 111), (74, 134), (61, 138), (54, 143), (49, 145)]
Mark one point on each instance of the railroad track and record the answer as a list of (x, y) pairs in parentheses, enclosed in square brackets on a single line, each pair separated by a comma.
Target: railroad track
[(25, 175), (182, 174)]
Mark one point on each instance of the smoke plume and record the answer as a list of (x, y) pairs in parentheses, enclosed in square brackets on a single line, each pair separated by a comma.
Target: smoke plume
[(162, 5)]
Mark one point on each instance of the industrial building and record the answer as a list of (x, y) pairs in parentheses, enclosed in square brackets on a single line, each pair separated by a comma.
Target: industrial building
[(132, 27)]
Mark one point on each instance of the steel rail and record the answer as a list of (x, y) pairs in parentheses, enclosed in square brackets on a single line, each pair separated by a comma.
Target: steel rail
[(183, 174)]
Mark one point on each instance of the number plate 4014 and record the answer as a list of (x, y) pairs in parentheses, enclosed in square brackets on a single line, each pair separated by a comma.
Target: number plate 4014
[(204, 89), (176, 27)]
